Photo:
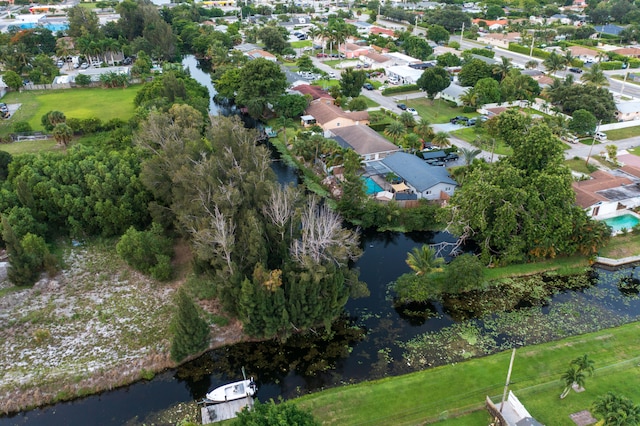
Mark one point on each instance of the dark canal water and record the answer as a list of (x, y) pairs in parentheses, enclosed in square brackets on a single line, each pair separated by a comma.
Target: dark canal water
[(365, 343)]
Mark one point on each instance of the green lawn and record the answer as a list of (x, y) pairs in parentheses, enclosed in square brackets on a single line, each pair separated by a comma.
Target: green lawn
[(474, 133), (74, 103), (300, 44), (435, 111), (444, 392), (579, 165), (621, 246), (26, 147), (625, 133)]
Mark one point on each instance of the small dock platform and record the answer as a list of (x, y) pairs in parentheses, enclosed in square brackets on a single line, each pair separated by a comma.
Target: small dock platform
[(212, 413)]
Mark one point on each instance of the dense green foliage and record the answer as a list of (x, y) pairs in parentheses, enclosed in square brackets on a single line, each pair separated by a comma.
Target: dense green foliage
[(278, 260), (523, 207), (351, 82), (272, 414), (147, 251), (190, 333), (434, 80), (572, 97)]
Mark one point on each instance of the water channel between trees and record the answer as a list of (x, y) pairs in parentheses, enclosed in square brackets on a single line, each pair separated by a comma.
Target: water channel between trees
[(367, 342)]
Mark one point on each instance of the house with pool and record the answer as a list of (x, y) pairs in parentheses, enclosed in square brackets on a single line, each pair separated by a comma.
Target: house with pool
[(610, 196), (426, 182), (368, 143)]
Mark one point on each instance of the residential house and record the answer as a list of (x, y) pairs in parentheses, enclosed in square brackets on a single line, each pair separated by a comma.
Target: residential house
[(610, 29), (364, 28), (605, 193), (352, 50), (329, 116), (632, 52), (496, 25), (499, 39), (404, 73), (561, 18), (297, 22), (627, 111), (259, 53), (584, 53), (315, 92), (374, 59), (368, 143), (453, 93), (382, 31), (427, 182)]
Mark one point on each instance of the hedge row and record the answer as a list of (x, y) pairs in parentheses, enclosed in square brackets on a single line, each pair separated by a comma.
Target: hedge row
[(538, 53), (611, 65), (400, 89)]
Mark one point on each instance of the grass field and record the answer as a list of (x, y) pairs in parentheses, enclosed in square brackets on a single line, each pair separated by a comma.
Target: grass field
[(27, 147), (434, 111), (445, 392), (625, 133), (74, 103), (470, 134), (578, 165)]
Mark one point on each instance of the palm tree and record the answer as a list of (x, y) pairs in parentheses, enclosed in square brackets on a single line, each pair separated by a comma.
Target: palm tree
[(554, 62), (572, 377), (531, 64), (285, 122), (470, 97), (616, 410), (62, 134), (502, 68), (594, 75), (412, 142), (441, 139), (424, 130), (407, 119), (583, 363), (469, 155), (423, 260), (395, 130)]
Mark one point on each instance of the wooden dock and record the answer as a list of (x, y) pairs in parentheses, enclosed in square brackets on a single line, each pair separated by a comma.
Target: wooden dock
[(224, 410)]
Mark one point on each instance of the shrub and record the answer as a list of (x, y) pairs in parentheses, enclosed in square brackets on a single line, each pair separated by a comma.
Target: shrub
[(147, 251), (468, 109), (400, 89), (611, 65), (518, 48), (634, 63), (358, 104), (190, 331), (83, 80), (22, 127)]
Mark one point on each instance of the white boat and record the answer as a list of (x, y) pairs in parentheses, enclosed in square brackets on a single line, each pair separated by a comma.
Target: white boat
[(232, 391)]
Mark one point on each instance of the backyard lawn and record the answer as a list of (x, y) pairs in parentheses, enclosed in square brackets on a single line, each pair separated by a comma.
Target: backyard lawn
[(443, 392), (435, 111), (477, 136), (105, 104), (625, 133)]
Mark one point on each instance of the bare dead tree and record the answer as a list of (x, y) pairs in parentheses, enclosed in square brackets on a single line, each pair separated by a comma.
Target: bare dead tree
[(281, 207), (214, 236), (323, 237)]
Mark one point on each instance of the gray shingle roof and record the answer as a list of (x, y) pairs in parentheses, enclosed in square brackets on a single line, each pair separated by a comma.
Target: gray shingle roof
[(416, 172)]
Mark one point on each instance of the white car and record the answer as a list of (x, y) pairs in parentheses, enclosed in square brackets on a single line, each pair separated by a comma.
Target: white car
[(412, 111)]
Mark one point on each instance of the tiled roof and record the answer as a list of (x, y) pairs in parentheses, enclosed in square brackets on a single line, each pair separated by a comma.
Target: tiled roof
[(587, 190), (364, 140), (316, 92), (324, 113)]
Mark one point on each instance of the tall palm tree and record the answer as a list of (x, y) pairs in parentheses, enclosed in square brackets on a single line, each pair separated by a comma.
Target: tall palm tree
[(411, 142), (573, 376), (470, 97), (470, 154), (423, 260), (424, 130), (441, 139), (395, 130), (594, 75), (285, 122), (554, 62), (502, 68), (407, 119), (62, 134), (584, 363)]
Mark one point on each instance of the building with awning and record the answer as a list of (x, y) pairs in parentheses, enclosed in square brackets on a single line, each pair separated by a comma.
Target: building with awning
[(428, 182)]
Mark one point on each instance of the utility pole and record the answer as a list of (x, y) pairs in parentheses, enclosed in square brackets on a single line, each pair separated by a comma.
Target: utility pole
[(593, 142), (626, 74), (506, 385), (461, 34), (533, 38)]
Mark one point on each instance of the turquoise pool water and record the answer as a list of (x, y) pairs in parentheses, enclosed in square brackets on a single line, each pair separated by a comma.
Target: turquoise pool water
[(625, 221), (371, 187), (53, 27)]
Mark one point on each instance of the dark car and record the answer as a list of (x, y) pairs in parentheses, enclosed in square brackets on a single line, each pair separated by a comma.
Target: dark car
[(368, 86), (576, 70), (402, 107), (452, 156), (4, 107), (471, 122), (435, 162), (459, 119)]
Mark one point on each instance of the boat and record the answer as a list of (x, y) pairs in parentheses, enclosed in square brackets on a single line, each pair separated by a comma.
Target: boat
[(232, 391)]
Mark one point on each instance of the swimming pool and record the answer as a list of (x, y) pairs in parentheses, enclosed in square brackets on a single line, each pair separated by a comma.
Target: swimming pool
[(50, 26), (625, 221), (371, 187)]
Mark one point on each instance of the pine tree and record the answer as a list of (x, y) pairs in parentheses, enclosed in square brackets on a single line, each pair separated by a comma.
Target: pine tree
[(190, 331)]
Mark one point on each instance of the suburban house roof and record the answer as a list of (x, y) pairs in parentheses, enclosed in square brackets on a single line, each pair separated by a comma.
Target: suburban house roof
[(383, 31), (416, 172), (601, 187), (363, 140), (628, 51), (352, 47), (433, 155), (376, 57), (489, 23), (259, 53), (582, 51), (455, 91), (632, 170), (628, 107), (316, 92), (323, 113), (609, 29)]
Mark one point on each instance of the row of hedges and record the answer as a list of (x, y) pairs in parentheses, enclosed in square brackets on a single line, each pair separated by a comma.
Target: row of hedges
[(611, 65), (538, 53), (400, 89)]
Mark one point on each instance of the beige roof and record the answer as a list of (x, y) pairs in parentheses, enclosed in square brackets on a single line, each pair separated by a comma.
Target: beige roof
[(323, 113), (582, 51), (586, 190), (376, 57), (364, 140), (628, 51)]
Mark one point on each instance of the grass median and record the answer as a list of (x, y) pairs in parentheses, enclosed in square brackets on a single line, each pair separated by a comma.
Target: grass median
[(443, 393)]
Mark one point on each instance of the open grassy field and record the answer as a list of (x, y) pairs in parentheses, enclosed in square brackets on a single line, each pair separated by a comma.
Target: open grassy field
[(445, 392), (625, 133), (105, 104), (435, 111), (28, 147)]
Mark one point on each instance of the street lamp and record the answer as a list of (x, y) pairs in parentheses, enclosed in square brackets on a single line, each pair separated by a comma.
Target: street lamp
[(593, 142)]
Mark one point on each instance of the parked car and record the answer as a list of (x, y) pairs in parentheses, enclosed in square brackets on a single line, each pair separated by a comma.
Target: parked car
[(331, 74), (412, 111), (471, 122), (452, 156), (84, 65), (460, 119), (322, 55), (3, 107), (435, 162), (368, 86), (402, 107), (600, 136), (569, 138), (576, 70), (127, 61)]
